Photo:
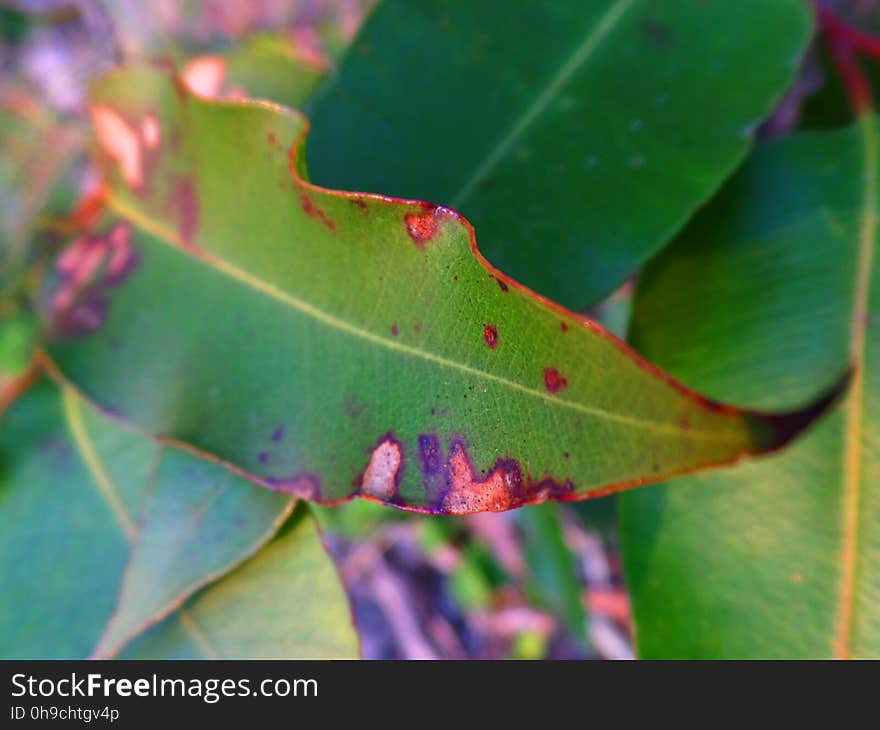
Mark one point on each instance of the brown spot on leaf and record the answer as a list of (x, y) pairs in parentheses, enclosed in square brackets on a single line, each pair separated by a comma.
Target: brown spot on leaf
[(465, 493), (88, 211), (502, 285), (422, 227), (490, 334), (454, 487), (151, 132), (186, 203), (563, 326), (395, 330), (181, 90), (313, 211), (382, 475), (554, 381)]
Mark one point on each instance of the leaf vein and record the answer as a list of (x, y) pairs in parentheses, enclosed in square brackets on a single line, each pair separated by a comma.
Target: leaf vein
[(584, 50), (86, 449), (162, 233), (853, 431)]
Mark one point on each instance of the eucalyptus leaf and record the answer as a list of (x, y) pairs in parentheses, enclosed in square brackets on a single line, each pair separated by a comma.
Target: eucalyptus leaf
[(104, 532), (333, 345), (774, 287)]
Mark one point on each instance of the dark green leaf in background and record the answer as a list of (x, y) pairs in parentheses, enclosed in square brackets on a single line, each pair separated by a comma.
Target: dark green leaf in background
[(772, 289), (576, 136)]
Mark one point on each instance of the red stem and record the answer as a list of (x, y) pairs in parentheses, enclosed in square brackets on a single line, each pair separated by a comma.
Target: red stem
[(844, 41), (854, 37)]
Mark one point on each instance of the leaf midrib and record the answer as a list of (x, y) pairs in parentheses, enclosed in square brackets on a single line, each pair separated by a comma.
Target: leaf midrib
[(106, 488), (853, 431), (89, 454), (168, 237), (578, 57)]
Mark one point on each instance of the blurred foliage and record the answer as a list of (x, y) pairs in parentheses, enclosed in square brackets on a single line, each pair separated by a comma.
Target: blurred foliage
[(480, 601)]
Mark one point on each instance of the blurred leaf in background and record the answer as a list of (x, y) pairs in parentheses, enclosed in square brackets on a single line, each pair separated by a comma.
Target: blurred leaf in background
[(777, 557), (120, 530), (735, 563)]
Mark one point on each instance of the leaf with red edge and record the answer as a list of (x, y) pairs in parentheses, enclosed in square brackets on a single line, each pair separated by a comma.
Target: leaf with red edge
[(335, 344)]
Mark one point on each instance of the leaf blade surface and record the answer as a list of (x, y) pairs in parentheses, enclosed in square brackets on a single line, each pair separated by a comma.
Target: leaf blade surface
[(376, 353), (105, 532), (777, 557)]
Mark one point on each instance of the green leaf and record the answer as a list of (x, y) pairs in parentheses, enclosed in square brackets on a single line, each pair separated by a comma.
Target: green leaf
[(333, 344), (270, 67), (773, 288), (284, 603), (198, 520), (18, 331), (576, 136), (103, 531)]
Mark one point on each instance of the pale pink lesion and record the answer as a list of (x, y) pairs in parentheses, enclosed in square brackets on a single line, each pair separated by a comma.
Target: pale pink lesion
[(80, 260), (86, 269), (122, 256), (151, 132), (121, 142), (205, 76), (382, 475), (76, 266), (134, 144)]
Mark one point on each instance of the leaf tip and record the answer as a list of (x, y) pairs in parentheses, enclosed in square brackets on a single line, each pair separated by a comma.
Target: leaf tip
[(776, 430)]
